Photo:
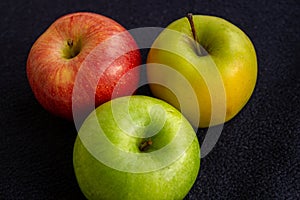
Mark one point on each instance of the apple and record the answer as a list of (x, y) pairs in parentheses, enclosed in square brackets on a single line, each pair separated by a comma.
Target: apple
[(74, 44), (136, 147), (215, 57)]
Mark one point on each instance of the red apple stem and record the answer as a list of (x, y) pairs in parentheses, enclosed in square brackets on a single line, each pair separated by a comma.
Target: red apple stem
[(70, 43), (145, 145), (72, 48), (197, 44)]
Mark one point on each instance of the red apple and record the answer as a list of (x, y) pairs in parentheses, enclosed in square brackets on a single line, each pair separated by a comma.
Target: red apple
[(84, 49)]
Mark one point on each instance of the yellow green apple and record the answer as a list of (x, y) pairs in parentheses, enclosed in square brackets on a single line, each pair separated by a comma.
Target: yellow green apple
[(215, 57)]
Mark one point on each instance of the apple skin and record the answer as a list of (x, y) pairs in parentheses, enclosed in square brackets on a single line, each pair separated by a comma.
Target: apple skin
[(228, 49), (98, 180), (57, 55)]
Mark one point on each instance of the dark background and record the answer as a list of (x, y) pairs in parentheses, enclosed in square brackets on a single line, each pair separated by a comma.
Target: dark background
[(258, 153)]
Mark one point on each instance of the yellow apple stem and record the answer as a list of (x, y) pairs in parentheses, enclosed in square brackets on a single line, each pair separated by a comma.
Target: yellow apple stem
[(197, 43), (145, 145)]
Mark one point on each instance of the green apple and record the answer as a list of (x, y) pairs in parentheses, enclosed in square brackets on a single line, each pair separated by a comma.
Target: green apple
[(215, 57), (136, 147)]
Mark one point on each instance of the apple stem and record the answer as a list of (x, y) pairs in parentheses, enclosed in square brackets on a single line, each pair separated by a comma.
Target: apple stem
[(72, 50), (197, 44), (70, 43), (145, 145)]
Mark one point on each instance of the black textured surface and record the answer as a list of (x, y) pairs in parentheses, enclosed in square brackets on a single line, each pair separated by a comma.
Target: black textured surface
[(258, 154)]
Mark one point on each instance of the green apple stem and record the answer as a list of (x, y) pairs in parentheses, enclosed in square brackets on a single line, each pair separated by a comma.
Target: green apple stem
[(144, 146), (197, 43)]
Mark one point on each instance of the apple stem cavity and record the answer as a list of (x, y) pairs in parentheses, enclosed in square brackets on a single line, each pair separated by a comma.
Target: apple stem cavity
[(144, 146), (72, 49), (196, 40)]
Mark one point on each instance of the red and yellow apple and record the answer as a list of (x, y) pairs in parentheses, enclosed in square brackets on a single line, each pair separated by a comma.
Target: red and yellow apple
[(71, 43)]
